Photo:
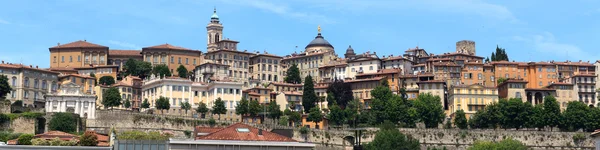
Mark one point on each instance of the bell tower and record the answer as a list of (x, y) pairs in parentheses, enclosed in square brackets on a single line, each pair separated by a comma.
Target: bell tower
[(214, 32)]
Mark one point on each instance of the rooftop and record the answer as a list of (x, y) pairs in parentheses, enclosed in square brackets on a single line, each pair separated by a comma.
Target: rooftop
[(124, 53), (78, 44), (244, 132)]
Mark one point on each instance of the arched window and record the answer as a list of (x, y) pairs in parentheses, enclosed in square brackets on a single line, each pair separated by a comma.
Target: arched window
[(14, 81), (217, 38), (26, 82), (44, 85), (36, 83)]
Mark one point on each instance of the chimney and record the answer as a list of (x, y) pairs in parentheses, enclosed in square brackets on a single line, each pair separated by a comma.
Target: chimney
[(36, 67), (3, 62), (260, 132), (30, 66)]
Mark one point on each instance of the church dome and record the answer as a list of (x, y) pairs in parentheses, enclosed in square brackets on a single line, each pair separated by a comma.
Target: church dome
[(214, 15), (350, 50), (318, 41)]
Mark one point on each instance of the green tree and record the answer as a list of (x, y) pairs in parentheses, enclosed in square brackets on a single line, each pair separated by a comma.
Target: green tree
[(4, 87), (274, 111), (593, 120), (242, 108), (537, 117), (293, 75), (137, 68), (112, 97), (506, 144), (514, 113), (309, 97), (388, 139), (500, 54), (182, 71), (145, 104), (382, 106), (501, 80), (219, 107), (551, 111), (202, 109), (430, 110), (493, 56), (336, 115), (574, 117), (127, 104), (88, 139), (254, 108), (161, 70), (293, 116), (185, 106), (25, 139), (460, 119), (315, 115), (283, 121), (162, 103), (65, 122), (107, 80)]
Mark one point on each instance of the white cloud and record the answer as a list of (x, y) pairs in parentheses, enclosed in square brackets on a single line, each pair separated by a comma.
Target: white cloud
[(4, 22), (282, 10), (546, 43), (124, 44)]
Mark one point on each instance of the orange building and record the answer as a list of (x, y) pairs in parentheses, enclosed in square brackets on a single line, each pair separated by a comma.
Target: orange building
[(447, 71), (120, 57), (541, 74), (172, 56), (472, 73), (390, 74), (77, 54)]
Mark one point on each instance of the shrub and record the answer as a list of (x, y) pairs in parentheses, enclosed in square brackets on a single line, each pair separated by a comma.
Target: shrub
[(187, 133), (88, 139), (40, 142), (304, 130), (578, 137), (212, 122), (139, 135), (68, 143), (25, 139), (55, 142)]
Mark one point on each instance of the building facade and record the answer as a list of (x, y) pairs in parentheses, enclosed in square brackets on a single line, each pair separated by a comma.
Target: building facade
[(29, 83), (78, 54), (470, 98), (72, 99)]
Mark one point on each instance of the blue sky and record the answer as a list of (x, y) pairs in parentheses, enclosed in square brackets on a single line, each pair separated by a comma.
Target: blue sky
[(532, 30)]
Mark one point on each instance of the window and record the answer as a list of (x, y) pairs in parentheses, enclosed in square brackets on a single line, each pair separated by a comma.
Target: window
[(179, 60), (194, 61), (172, 59), (370, 67), (480, 76), (54, 59), (186, 61), (62, 59), (14, 81), (79, 58), (70, 58)]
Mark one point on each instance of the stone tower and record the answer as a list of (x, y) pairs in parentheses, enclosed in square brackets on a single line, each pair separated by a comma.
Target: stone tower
[(465, 47), (214, 32)]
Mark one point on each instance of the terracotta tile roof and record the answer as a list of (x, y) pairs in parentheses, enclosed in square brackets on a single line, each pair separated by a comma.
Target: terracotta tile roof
[(286, 84), (62, 69), (469, 86), (560, 83), (575, 63), (512, 81), (53, 134), (303, 55), (124, 53), (101, 138), (96, 66), (382, 71), (232, 133), (446, 64), (292, 93), (365, 80), (233, 51), (200, 129), (393, 58), (79, 44), (166, 46), (19, 66), (76, 75), (121, 83), (268, 55), (11, 142), (504, 62)]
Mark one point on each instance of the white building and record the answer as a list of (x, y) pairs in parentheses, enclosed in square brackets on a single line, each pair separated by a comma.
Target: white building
[(70, 98)]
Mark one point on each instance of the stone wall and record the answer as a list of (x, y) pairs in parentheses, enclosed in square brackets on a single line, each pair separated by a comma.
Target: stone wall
[(455, 139), (23, 125)]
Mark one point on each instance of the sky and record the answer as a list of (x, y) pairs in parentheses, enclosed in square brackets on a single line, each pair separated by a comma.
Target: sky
[(529, 30)]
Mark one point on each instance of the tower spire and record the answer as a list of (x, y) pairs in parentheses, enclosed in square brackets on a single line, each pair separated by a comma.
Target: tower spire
[(319, 28)]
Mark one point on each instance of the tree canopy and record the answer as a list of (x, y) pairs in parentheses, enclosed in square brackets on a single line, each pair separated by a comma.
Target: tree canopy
[(505, 144), (293, 75), (162, 103), (112, 97), (106, 80), (161, 70), (315, 115), (242, 108), (137, 68), (202, 109), (127, 103), (185, 106), (430, 110), (309, 97), (88, 139), (274, 111), (460, 120), (254, 108), (392, 139), (145, 104), (63, 121), (500, 54), (182, 71), (4, 87), (340, 92), (219, 107)]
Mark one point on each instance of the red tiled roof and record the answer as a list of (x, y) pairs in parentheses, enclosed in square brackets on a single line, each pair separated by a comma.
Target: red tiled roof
[(233, 51), (101, 138), (365, 80), (96, 66), (11, 142), (268, 55), (19, 66), (121, 83), (166, 46), (292, 93), (468, 86), (53, 134), (286, 84), (200, 129), (382, 71), (79, 44), (231, 133), (76, 75), (301, 56), (124, 53)]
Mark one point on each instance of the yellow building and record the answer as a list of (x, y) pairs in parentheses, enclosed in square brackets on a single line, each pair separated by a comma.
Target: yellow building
[(290, 100), (565, 93), (470, 98), (179, 90), (29, 83), (265, 68), (172, 56), (208, 72), (282, 87), (77, 54), (435, 88), (410, 83), (86, 83)]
